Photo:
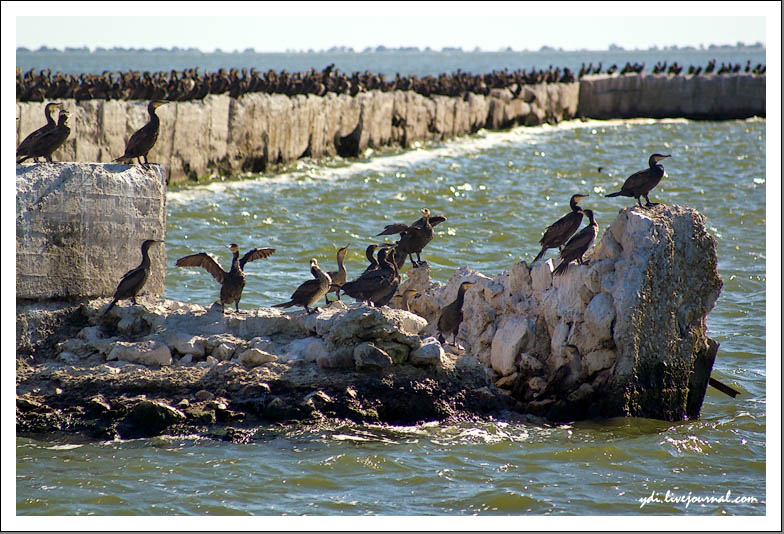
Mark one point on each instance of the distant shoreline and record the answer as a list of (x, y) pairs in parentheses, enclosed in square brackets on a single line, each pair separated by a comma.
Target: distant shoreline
[(758, 46)]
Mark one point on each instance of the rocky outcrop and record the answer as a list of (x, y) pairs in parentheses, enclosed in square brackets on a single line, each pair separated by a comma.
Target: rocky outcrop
[(226, 135), (623, 335), (164, 366), (708, 96), (80, 226)]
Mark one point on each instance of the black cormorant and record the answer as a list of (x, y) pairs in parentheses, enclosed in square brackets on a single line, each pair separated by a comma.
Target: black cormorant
[(413, 238), (452, 315), (377, 286), (561, 230), (133, 281), (24, 146), (233, 281), (338, 277), (578, 245), (640, 183), (142, 141), (49, 141), (310, 292)]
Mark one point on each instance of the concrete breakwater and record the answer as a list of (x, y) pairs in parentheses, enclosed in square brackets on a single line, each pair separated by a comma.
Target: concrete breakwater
[(709, 96), (224, 135)]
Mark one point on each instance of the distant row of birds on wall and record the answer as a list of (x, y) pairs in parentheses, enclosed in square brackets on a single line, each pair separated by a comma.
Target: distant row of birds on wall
[(190, 84), (378, 284)]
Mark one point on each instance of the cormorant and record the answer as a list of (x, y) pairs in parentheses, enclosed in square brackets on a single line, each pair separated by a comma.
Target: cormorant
[(49, 141), (640, 183), (232, 282), (452, 315), (578, 245), (413, 238), (338, 277), (405, 298), (144, 139), (133, 281), (377, 286), (24, 146), (310, 292), (369, 251), (561, 230)]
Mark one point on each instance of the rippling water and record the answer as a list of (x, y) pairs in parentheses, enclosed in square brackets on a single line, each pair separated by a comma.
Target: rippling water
[(499, 191)]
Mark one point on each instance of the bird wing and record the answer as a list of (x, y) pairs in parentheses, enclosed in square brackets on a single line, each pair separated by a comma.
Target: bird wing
[(255, 254), (434, 220), (140, 142), (202, 259), (562, 229), (392, 229), (305, 290), (581, 241), (637, 179), (128, 281), (30, 140)]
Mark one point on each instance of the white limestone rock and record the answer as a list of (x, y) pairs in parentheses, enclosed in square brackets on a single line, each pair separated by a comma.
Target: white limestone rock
[(149, 352), (253, 357), (509, 341), (430, 353)]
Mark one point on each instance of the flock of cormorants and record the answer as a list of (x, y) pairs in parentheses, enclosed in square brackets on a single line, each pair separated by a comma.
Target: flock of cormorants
[(189, 84), (378, 284)]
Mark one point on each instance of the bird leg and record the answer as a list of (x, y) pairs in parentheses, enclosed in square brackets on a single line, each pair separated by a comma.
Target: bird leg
[(237, 305), (639, 202), (648, 203), (133, 299)]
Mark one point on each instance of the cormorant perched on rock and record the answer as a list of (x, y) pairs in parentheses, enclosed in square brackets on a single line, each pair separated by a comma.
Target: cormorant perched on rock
[(640, 183), (338, 277), (405, 299), (578, 245), (371, 249), (233, 281), (561, 230), (142, 141), (133, 281), (452, 315), (49, 141), (310, 292), (24, 146), (377, 286), (413, 238)]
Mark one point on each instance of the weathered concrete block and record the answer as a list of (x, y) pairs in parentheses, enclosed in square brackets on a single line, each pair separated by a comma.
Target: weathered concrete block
[(80, 226)]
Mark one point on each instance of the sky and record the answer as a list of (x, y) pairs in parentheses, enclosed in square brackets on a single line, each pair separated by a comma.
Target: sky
[(281, 26)]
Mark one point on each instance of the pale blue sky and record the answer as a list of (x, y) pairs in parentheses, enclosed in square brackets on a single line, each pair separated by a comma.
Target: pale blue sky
[(278, 26)]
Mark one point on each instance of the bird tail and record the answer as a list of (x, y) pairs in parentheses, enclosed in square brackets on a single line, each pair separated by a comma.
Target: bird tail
[(561, 268), (109, 308), (284, 304), (614, 194), (539, 256), (121, 159)]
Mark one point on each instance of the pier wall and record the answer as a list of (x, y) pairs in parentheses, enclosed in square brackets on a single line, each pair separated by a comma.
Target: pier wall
[(227, 136), (657, 96)]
